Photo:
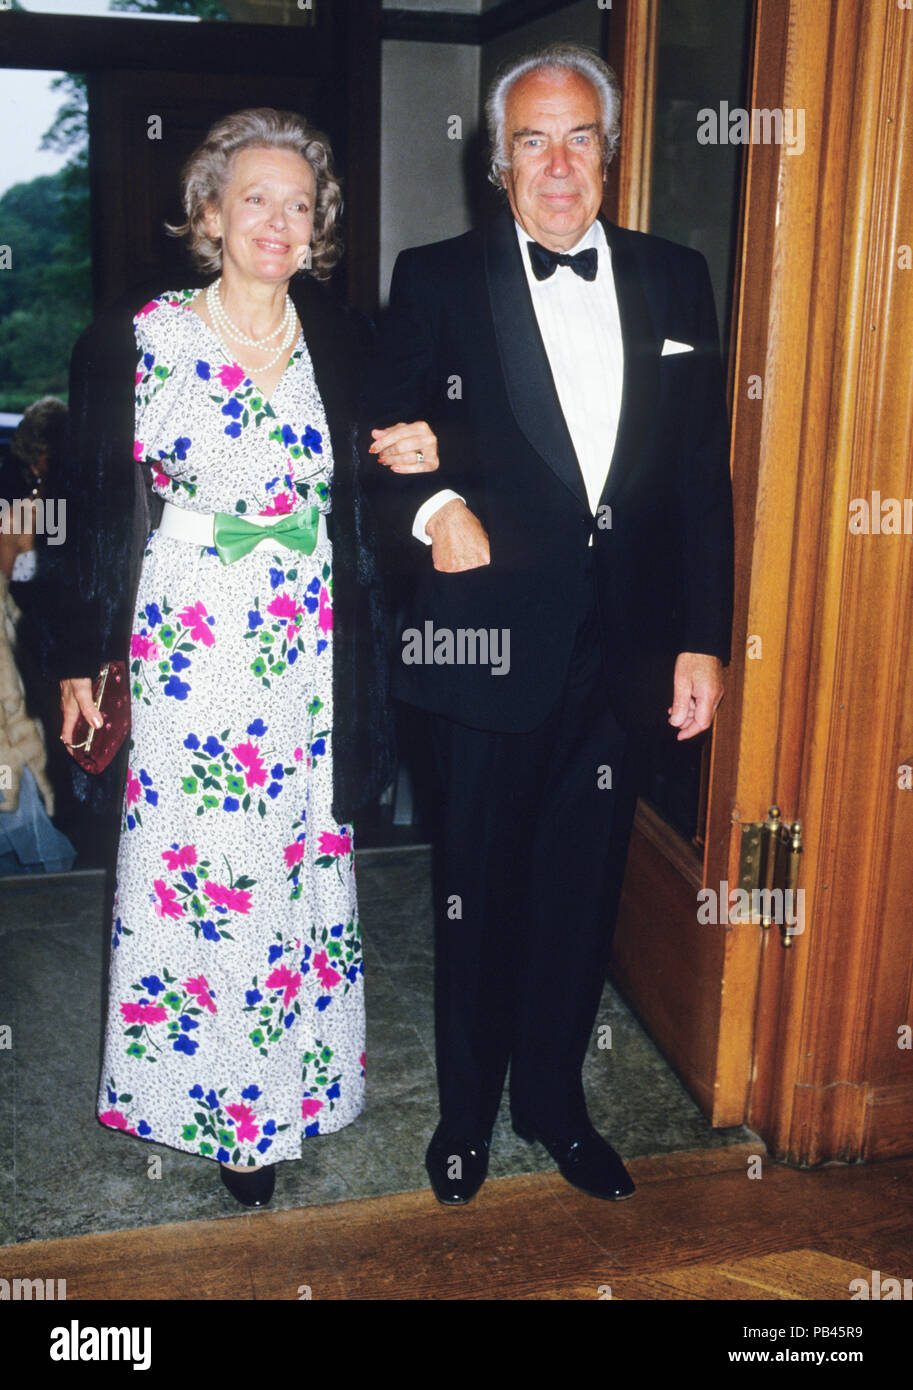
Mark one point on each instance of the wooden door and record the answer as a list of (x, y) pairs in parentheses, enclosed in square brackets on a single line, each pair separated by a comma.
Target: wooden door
[(692, 984), (810, 1045)]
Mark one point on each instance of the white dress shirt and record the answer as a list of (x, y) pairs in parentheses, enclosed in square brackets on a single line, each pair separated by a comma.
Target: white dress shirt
[(581, 332)]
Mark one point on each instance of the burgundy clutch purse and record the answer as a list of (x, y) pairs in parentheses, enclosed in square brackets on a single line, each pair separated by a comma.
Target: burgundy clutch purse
[(94, 748)]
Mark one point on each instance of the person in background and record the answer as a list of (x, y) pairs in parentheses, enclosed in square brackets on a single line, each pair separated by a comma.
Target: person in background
[(34, 454), (29, 843), (38, 785)]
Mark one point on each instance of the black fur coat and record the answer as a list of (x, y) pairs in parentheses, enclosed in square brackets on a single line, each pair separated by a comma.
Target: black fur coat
[(88, 584)]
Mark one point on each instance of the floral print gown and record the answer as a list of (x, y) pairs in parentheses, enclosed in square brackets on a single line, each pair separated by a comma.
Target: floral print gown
[(235, 1020)]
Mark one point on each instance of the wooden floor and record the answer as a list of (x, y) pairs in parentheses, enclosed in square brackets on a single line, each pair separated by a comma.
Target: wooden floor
[(697, 1228)]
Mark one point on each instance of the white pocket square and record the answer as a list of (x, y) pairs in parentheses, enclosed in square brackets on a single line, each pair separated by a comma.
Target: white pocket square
[(670, 346)]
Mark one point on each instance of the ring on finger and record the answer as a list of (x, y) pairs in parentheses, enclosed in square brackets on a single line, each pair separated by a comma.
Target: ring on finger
[(420, 457)]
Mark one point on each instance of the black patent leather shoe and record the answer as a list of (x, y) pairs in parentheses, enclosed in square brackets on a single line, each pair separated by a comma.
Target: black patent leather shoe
[(253, 1189), (586, 1161), (457, 1168)]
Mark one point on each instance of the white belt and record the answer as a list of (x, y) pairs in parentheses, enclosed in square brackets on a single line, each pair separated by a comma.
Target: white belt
[(181, 524)]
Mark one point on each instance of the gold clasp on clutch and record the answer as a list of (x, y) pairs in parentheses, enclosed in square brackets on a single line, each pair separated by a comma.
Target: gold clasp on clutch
[(102, 679)]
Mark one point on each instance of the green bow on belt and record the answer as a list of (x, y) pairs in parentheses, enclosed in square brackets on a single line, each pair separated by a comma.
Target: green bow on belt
[(233, 537)]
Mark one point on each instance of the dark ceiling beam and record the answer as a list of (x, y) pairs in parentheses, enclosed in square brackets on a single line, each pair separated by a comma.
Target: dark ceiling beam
[(419, 26), (425, 26), (76, 43)]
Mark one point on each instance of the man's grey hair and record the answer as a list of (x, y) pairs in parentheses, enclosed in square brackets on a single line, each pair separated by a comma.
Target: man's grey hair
[(556, 57)]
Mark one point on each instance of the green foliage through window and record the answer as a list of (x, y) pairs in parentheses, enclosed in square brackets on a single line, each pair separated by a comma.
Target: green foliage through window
[(46, 295), (202, 9)]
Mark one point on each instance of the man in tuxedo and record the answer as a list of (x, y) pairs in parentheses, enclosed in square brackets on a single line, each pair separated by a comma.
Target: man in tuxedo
[(577, 524)]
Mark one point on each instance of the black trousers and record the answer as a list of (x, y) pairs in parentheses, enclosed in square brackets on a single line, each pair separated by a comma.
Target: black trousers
[(529, 861)]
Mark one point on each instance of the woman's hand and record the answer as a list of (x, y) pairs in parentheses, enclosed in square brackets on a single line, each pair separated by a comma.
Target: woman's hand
[(76, 699), (398, 448)]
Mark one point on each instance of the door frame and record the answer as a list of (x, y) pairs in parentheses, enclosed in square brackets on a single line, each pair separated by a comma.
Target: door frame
[(802, 1043)]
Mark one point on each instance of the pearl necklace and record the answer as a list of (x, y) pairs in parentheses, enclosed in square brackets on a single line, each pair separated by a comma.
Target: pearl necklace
[(217, 308), (226, 329)]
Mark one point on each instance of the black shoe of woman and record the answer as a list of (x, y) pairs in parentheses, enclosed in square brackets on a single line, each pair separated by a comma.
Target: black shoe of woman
[(253, 1188)]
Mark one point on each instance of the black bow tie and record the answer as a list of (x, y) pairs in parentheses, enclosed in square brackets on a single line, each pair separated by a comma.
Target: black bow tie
[(545, 262)]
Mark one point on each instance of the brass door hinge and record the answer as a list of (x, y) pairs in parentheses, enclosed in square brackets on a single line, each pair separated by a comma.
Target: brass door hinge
[(769, 875)]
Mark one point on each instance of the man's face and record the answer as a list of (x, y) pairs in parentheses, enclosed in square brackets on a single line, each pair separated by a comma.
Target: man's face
[(553, 134)]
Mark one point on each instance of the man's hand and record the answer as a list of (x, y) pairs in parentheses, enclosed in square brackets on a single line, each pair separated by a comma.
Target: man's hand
[(76, 699), (459, 541), (399, 446), (698, 689)]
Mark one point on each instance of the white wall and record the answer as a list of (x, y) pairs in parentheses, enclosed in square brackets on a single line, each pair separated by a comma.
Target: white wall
[(579, 23), (423, 188), (433, 187)]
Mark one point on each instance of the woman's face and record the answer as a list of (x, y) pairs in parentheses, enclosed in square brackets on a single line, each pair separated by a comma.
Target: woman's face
[(266, 216)]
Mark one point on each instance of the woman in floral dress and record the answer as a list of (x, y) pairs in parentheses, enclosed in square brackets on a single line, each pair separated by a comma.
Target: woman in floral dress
[(235, 1022)]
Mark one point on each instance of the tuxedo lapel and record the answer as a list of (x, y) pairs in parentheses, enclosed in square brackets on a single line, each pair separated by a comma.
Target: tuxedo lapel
[(530, 385), (641, 346)]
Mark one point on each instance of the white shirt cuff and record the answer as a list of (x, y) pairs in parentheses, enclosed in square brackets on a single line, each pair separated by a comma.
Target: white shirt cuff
[(427, 509)]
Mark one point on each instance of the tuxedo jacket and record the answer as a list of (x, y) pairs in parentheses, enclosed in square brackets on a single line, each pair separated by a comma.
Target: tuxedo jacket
[(461, 348), (89, 583)]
